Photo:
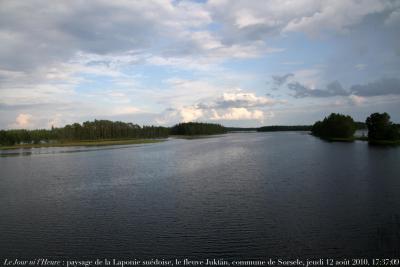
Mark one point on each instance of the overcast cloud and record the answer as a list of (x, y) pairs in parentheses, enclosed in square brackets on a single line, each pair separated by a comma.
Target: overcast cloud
[(161, 61)]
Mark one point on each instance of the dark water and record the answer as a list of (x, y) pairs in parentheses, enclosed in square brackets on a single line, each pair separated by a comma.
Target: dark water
[(238, 196)]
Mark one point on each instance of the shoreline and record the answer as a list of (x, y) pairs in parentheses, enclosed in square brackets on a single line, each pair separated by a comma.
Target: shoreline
[(108, 142), (360, 138)]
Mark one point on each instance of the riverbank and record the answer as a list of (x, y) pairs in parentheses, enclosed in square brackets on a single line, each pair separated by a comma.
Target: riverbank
[(107, 142), (362, 138)]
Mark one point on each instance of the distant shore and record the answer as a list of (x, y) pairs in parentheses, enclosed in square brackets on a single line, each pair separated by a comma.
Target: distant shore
[(86, 143)]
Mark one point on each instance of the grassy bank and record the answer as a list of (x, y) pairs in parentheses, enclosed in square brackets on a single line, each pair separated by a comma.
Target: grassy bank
[(107, 142)]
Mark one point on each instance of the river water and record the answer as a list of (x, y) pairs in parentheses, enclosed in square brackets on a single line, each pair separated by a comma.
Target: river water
[(234, 196)]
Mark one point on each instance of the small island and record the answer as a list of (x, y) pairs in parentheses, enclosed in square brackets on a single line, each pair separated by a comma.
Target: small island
[(381, 131), (335, 127), (339, 127)]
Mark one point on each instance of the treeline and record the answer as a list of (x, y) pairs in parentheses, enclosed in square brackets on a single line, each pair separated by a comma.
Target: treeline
[(339, 126), (277, 128), (197, 128), (105, 130), (90, 130), (240, 129), (281, 128)]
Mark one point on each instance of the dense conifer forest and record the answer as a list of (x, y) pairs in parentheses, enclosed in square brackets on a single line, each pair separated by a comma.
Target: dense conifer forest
[(90, 130), (104, 130), (197, 128), (335, 126), (276, 128)]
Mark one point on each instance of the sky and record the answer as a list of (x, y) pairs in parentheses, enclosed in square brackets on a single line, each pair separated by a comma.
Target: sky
[(158, 62)]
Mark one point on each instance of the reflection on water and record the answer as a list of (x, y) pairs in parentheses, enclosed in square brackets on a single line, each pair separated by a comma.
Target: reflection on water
[(57, 150), (241, 196)]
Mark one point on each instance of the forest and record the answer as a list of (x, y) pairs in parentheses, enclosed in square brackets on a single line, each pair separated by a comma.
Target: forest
[(277, 128), (89, 130), (334, 127), (197, 128), (104, 130)]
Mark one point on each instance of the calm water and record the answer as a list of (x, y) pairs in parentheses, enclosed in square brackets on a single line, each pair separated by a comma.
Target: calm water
[(237, 196)]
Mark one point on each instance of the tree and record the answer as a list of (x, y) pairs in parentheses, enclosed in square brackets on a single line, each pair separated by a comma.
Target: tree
[(197, 128), (334, 126), (277, 128), (89, 130), (381, 128)]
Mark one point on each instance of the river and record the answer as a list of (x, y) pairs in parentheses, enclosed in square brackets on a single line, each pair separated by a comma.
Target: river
[(234, 196)]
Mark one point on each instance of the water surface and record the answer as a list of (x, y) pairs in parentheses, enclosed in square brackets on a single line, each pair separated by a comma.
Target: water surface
[(236, 196)]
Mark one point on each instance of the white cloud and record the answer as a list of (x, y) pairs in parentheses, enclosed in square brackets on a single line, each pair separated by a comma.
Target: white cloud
[(356, 100), (183, 92), (23, 120), (245, 18), (237, 114), (240, 98), (124, 110), (188, 114), (232, 105), (334, 15)]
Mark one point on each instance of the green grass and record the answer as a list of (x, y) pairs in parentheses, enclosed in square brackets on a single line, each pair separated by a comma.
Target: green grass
[(107, 142)]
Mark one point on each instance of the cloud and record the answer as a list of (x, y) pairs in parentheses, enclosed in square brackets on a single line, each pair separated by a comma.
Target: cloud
[(85, 60), (393, 19), (280, 80), (23, 120), (332, 89), (100, 28), (125, 110), (336, 16), (190, 113), (356, 100), (381, 87), (384, 86), (239, 98), (234, 105), (251, 20), (360, 66), (238, 114)]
